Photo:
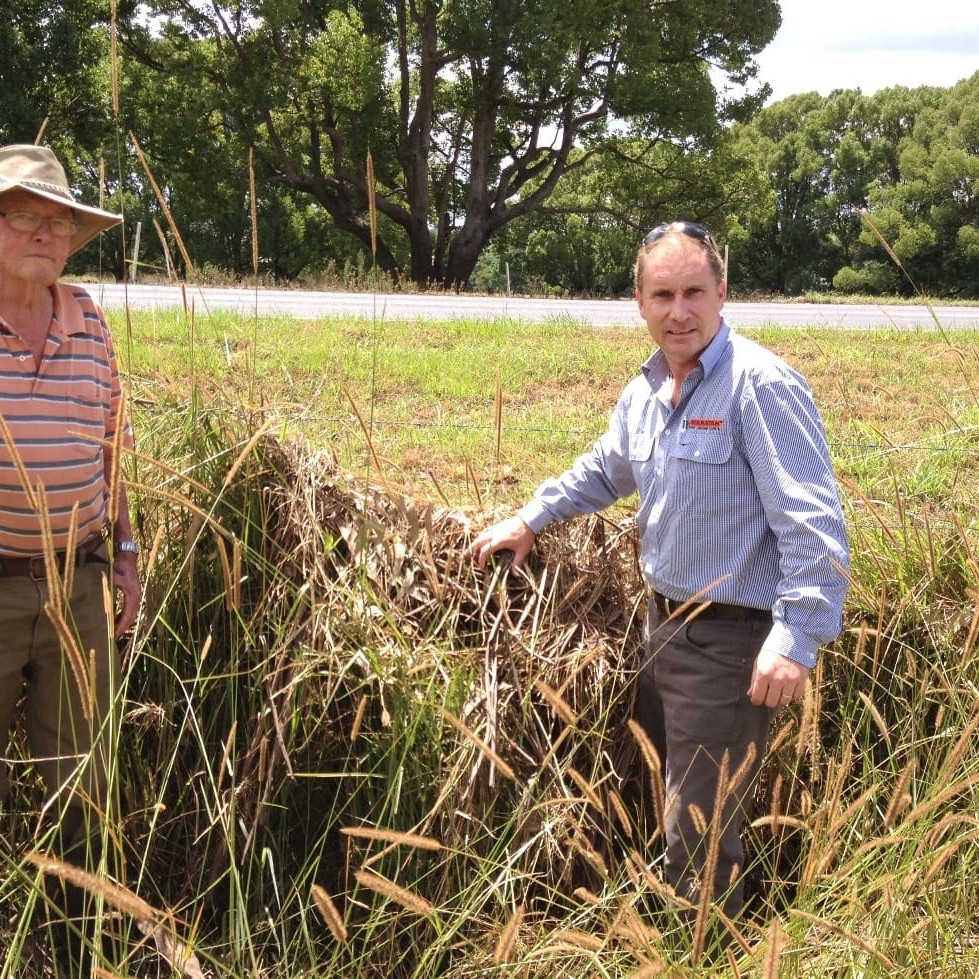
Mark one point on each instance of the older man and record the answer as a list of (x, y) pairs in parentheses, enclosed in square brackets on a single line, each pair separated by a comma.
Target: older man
[(64, 519), (742, 544)]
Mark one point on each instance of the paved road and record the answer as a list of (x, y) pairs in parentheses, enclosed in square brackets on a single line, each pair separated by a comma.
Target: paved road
[(314, 305)]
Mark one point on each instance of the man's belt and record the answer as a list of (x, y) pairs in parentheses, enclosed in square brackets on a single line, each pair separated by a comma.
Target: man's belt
[(710, 610), (35, 566)]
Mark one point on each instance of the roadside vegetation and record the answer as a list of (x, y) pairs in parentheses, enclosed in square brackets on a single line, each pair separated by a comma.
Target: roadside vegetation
[(346, 753)]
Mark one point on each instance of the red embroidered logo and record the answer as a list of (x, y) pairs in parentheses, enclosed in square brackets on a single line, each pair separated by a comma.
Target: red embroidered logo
[(706, 423)]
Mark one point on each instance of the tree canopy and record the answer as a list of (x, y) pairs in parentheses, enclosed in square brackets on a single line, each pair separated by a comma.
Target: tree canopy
[(52, 65), (472, 113), (850, 172), (55, 85)]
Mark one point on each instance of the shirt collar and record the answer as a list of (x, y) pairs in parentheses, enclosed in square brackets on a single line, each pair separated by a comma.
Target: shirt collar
[(67, 311), (711, 357), (656, 367), (66, 316)]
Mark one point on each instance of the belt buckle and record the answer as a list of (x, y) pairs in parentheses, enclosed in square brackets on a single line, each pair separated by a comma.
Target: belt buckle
[(36, 568), (666, 605)]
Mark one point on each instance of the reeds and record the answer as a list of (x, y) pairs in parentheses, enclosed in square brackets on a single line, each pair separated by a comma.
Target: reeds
[(323, 685)]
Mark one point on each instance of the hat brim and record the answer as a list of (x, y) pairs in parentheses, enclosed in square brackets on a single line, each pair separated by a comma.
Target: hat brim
[(92, 221)]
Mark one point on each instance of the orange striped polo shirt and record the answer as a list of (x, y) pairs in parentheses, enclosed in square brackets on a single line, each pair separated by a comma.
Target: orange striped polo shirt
[(58, 415)]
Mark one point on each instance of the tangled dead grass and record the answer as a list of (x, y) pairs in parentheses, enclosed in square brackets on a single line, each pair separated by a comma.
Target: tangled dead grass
[(550, 650), (372, 556)]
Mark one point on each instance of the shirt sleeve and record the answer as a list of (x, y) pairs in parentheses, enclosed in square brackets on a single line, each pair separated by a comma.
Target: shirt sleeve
[(115, 417), (786, 447)]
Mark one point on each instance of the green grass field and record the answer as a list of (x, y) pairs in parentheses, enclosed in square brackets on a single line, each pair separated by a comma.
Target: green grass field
[(344, 752)]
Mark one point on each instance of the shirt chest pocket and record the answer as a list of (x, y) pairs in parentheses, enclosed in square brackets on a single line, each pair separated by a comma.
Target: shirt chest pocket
[(641, 446), (709, 448)]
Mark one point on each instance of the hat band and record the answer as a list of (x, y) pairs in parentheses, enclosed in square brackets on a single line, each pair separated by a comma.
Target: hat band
[(43, 185)]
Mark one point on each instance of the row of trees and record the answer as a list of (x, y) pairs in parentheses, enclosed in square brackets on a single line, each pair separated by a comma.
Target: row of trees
[(864, 194), (506, 141)]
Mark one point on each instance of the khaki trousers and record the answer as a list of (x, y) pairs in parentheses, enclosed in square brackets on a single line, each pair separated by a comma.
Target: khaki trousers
[(693, 704), (65, 714)]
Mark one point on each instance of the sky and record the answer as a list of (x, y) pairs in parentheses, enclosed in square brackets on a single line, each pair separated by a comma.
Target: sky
[(823, 45)]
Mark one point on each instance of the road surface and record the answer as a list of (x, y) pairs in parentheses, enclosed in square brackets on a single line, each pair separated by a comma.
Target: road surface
[(598, 312)]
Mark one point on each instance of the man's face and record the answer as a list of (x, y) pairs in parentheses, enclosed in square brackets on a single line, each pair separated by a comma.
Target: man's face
[(36, 257), (680, 300)]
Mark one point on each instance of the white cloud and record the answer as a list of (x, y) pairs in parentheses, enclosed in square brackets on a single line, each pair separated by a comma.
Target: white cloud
[(870, 44)]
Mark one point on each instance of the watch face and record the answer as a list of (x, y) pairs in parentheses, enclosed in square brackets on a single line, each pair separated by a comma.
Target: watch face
[(130, 547)]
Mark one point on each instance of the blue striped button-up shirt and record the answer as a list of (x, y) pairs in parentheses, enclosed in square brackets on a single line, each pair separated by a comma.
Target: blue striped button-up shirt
[(737, 498)]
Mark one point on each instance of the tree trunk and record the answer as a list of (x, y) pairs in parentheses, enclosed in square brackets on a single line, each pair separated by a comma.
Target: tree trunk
[(464, 252)]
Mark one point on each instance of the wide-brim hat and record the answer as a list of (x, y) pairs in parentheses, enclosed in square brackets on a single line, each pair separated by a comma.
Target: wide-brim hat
[(36, 169)]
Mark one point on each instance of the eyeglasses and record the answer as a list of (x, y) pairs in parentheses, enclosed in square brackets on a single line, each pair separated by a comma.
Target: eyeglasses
[(689, 228), (26, 221)]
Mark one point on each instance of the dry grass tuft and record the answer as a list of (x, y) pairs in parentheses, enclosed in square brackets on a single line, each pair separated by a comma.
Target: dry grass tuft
[(329, 913), (400, 895)]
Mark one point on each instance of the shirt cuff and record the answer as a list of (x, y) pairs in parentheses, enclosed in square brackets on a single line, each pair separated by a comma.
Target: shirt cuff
[(795, 646), (535, 516)]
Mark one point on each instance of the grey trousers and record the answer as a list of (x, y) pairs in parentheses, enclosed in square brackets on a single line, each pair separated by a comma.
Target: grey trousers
[(693, 705)]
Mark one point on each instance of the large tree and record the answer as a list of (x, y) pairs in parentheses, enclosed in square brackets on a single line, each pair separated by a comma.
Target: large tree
[(472, 111), (849, 169), (818, 155)]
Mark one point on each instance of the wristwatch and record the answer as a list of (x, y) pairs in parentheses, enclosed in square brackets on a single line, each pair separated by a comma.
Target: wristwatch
[(127, 547)]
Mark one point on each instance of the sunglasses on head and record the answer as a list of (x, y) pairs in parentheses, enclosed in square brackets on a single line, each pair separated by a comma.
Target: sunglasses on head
[(689, 228)]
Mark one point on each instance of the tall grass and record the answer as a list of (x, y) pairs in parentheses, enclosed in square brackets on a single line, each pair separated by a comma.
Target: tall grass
[(344, 752)]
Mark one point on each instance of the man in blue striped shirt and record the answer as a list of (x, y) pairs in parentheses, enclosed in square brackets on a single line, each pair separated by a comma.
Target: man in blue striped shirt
[(742, 545)]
